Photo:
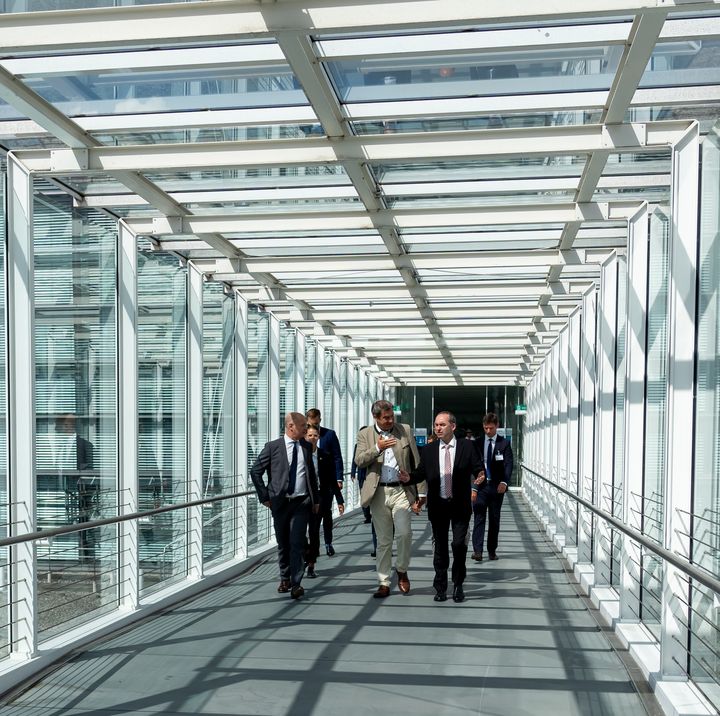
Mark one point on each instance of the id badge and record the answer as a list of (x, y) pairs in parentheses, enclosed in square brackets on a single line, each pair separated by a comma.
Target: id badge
[(499, 457)]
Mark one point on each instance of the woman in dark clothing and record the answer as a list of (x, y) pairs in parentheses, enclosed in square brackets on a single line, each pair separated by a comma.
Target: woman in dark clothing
[(329, 488)]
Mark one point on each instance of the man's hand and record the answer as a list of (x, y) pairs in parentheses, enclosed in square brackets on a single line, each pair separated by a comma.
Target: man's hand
[(267, 504), (473, 496), (502, 488), (341, 509), (480, 478), (416, 507), (340, 484), (385, 443), (404, 476)]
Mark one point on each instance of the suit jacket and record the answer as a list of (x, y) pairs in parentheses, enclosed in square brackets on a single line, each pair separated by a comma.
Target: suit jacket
[(329, 443), (367, 456), (501, 465), (84, 454), (466, 466), (273, 460), (326, 477)]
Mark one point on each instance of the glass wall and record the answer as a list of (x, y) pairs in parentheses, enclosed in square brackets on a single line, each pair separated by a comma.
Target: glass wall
[(162, 410), (76, 406), (310, 373), (287, 373), (218, 407), (328, 419), (652, 499), (4, 500), (258, 379), (705, 616)]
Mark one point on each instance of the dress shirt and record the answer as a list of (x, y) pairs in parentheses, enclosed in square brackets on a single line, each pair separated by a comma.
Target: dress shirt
[(390, 468), (65, 449), (300, 478), (441, 457), (487, 467)]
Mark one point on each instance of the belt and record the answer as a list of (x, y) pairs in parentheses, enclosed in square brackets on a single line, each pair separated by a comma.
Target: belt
[(296, 497), (390, 484)]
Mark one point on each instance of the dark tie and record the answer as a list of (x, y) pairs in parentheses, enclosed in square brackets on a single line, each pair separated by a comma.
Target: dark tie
[(488, 459), (293, 469), (447, 474)]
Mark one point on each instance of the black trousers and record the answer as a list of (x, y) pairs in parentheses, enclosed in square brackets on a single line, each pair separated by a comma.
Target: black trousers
[(324, 517), (445, 516), (290, 520), (488, 501)]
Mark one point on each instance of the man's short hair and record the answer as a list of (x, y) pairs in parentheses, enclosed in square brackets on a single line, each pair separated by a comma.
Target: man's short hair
[(380, 406), (294, 418), (491, 419), (313, 414), (451, 417)]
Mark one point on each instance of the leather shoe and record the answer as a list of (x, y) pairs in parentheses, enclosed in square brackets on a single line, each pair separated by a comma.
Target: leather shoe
[(284, 586), (493, 556), (297, 592), (440, 597), (311, 571), (330, 551), (382, 592), (477, 556), (373, 553), (403, 582), (458, 593)]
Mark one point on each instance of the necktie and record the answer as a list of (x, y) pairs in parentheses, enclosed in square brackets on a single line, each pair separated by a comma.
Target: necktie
[(488, 459), (293, 469), (447, 475)]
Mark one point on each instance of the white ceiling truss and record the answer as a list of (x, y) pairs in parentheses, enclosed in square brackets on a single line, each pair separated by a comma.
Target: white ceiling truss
[(427, 186)]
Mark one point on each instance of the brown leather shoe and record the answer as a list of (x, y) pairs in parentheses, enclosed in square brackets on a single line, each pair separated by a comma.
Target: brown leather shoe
[(477, 556), (284, 586), (297, 592), (403, 582), (382, 592)]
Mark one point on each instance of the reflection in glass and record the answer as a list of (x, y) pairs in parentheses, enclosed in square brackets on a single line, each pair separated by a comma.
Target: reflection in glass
[(653, 497), (310, 373), (218, 464), (258, 378), (287, 373), (76, 406), (162, 432), (4, 498), (705, 637)]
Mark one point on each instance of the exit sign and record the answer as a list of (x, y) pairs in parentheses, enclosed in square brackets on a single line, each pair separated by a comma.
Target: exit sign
[(520, 409)]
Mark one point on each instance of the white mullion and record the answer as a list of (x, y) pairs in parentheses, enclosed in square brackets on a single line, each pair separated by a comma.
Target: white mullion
[(299, 372), (242, 480), (604, 437), (635, 361), (319, 379), (337, 377), (24, 622), (587, 420), (195, 420), (680, 399), (128, 567), (573, 416), (273, 377), (563, 429)]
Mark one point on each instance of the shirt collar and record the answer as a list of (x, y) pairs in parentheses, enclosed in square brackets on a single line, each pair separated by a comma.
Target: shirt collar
[(289, 441), (451, 444)]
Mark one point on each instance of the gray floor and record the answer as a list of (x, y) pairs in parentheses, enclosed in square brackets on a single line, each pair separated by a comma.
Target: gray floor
[(522, 643)]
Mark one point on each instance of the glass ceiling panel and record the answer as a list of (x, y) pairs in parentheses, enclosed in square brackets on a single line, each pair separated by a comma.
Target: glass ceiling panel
[(301, 206), (705, 114), (449, 170), (492, 121), (40, 5), (334, 244), (95, 184), (119, 90), (514, 72), (254, 178), (448, 201), (676, 63)]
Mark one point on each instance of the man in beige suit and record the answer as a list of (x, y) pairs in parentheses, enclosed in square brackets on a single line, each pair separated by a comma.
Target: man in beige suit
[(385, 449)]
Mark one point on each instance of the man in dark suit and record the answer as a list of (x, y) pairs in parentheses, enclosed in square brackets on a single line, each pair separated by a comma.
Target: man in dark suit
[(489, 490), (292, 493), (449, 465), (328, 442)]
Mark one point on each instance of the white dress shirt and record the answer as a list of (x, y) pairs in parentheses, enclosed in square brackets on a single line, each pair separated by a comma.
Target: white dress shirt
[(444, 447), (390, 468), (300, 478)]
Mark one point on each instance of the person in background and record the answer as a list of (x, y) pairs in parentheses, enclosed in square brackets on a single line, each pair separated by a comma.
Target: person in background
[(329, 489), (329, 443), (489, 490), (359, 473)]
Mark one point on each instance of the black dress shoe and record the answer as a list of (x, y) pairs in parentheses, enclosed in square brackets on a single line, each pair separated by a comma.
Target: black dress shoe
[(458, 593), (440, 597), (493, 556), (330, 550), (373, 553), (296, 592), (311, 571), (477, 556)]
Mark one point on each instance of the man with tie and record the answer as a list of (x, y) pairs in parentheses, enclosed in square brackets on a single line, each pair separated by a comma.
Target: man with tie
[(449, 466), (292, 493), (489, 491), (385, 449)]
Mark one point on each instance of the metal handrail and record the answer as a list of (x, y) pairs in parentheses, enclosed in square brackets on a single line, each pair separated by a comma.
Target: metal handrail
[(683, 565), (82, 526)]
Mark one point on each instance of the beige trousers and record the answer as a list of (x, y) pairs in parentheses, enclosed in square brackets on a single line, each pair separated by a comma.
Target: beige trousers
[(390, 509)]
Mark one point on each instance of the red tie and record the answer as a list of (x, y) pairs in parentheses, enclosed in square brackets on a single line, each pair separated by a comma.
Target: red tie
[(447, 475)]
